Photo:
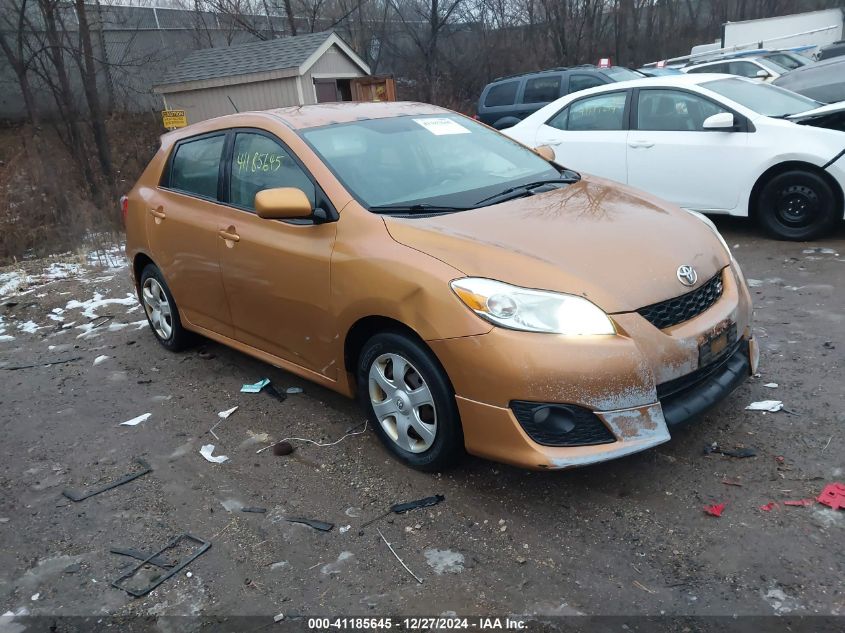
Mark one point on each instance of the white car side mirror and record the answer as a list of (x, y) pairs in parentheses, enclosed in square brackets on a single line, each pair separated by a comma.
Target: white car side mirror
[(721, 121), (762, 74)]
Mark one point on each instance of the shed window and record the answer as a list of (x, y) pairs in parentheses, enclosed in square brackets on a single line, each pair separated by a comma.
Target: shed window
[(261, 163)]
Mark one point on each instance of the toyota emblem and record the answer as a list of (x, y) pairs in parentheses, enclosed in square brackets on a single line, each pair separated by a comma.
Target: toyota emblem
[(687, 275)]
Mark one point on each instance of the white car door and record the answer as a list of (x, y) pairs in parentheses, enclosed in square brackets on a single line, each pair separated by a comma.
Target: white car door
[(589, 135), (671, 155)]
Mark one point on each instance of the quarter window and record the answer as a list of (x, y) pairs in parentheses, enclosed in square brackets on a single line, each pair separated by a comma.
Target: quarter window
[(196, 165), (582, 82), (743, 69), (261, 163), (601, 112), (501, 94), (672, 110), (541, 89)]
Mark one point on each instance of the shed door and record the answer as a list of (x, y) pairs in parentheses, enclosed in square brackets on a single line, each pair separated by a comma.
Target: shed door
[(326, 90)]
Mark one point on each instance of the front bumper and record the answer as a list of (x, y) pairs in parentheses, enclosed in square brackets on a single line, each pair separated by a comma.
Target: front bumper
[(639, 383)]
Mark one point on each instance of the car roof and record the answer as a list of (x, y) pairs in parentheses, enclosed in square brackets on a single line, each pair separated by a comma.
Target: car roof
[(308, 116), (561, 69), (662, 81)]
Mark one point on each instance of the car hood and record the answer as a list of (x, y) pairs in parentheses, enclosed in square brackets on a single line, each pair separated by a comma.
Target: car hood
[(619, 248), (830, 108)]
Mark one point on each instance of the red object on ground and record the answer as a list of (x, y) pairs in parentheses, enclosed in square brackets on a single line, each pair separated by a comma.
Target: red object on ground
[(769, 506), (715, 510), (800, 502), (833, 496)]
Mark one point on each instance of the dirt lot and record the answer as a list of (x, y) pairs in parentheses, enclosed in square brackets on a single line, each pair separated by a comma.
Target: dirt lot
[(626, 537)]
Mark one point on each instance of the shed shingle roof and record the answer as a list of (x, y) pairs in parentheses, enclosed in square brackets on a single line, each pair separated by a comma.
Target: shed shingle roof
[(245, 59)]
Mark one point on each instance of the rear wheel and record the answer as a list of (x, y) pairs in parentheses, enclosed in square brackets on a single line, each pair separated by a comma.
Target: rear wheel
[(161, 310), (797, 205), (409, 401)]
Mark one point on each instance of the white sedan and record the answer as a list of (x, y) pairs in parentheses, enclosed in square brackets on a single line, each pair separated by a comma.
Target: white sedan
[(715, 144)]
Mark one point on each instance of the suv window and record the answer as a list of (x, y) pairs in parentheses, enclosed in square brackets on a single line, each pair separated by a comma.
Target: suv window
[(743, 69), (673, 110), (261, 163), (709, 68), (541, 89), (601, 112), (582, 82), (501, 94), (196, 165)]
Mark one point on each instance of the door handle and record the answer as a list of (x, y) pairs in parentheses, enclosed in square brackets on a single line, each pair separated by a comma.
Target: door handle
[(549, 142), (229, 234), (643, 144), (158, 213)]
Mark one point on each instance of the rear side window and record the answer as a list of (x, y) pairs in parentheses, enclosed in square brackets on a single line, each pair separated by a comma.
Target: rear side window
[(541, 89), (195, 166), (602, 112), (261, 163), (582, 82), (501, 94)]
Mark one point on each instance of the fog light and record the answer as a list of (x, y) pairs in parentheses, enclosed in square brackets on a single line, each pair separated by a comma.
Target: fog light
[(554, 419)]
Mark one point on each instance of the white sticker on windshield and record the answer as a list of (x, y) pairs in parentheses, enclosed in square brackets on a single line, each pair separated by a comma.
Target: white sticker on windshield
[(442, 126)]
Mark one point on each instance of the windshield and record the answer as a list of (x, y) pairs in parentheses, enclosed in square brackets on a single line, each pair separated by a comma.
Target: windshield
[(438, 160), (622, 74), (763, 98)]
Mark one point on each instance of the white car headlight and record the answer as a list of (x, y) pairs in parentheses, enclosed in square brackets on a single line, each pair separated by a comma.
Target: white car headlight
[(531, 310)]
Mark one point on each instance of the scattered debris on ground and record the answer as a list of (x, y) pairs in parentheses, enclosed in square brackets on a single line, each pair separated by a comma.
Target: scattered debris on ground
[(77, 495), (207, 450), (770, 406)]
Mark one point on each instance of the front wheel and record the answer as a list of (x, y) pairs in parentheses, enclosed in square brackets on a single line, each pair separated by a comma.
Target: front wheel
[(409, 401), (797, 205)]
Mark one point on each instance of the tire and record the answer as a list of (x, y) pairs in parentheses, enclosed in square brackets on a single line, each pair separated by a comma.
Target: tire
[(797, 205), (157, 301), (422, 429)]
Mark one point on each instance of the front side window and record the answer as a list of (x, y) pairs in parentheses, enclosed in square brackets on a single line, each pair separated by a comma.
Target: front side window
[(709, 68), (582, 82), (259, 163), (673, 110), (601, 112), (744, 69), (444, 160), (501, 94), (196, 165), (541, 89)]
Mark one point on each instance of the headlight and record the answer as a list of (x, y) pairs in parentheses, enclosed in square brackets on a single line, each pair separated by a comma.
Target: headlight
[(531, 310), (713, 228)]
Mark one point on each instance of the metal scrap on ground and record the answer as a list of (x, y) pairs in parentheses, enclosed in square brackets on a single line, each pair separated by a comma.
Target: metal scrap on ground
[(122, 582), (323, 526), (76, 495)]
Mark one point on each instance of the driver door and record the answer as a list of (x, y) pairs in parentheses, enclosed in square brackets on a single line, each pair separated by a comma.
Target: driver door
[(276, 273)]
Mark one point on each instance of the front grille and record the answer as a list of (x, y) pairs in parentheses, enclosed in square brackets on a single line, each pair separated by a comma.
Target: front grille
[(586, 428), (673, 311)]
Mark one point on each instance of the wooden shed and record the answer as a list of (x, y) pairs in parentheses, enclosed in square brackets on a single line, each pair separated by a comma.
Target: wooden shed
[(296, 70)]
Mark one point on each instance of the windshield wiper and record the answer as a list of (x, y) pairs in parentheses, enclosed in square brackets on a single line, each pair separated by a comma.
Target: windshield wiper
[(523, 190), (417, 208)]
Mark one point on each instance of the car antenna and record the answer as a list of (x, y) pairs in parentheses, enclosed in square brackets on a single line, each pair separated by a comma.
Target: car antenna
[(233, 104)]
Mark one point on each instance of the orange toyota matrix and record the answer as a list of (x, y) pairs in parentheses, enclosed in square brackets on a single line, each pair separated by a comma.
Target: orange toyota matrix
[(470, 293)]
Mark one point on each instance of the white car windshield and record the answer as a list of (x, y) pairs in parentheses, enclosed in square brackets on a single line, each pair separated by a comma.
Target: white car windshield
[(441, 160), (763, 98)]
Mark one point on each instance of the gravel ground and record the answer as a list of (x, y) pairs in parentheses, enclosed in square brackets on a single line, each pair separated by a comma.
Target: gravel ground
[(626, 537)]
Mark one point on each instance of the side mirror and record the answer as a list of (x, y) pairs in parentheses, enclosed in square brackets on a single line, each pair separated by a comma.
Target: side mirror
[(723, 121), (763, 74), (545, 151), (284, 203)]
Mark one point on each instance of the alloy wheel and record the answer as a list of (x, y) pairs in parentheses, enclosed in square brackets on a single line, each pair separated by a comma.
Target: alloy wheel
[(403, 403), (157, 308)]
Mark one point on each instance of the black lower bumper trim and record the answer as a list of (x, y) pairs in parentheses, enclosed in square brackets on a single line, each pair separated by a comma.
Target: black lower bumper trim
[(697, 398)]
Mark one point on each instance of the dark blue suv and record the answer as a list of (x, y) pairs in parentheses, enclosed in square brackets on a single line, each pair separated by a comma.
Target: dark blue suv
[(508, 100)]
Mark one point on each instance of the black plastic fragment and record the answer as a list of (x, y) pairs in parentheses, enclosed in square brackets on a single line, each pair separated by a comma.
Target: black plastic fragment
[(79, 495), (255, 509), (314, 523), (400, 508), (271, 391), (137, 593), (158, 561)]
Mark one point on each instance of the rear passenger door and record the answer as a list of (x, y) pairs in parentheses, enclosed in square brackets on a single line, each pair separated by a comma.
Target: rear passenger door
[(276, 272), (589, 134), (182, 225)]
